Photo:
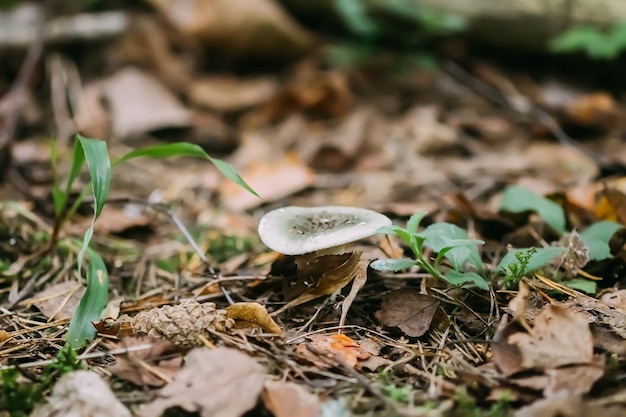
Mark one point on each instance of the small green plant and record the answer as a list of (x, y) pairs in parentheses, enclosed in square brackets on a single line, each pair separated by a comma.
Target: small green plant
[(466, 406), (597, 44), (94, 154), (393, 391), (522, 261), (373, 23), (449, 241), (515, 271), (19, 397)]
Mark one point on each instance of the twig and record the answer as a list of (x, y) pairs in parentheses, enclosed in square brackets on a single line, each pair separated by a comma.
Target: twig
[(92, 355)]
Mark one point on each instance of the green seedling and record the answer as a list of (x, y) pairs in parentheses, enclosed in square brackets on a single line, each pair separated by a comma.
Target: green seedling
[(94, 154), (20, 397), (450, 242)]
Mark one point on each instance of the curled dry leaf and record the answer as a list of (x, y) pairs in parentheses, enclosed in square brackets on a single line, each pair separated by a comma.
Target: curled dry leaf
[(325, 351), (559, 337), (287, 399), (181, 324), (408, 310), (252, 316), (213, 383), (323, 275), (82, 393)]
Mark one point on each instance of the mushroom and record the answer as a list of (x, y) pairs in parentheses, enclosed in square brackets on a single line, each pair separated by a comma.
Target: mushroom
[(320, 230)]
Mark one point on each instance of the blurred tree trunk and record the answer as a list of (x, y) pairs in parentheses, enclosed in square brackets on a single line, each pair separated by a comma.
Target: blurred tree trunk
[(525, 24)]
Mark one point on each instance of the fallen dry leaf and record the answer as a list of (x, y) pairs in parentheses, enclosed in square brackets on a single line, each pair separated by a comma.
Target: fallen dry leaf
[(559, 336), (145, 367), (82, 394), (272, 180), (139, 103), (286, 399), (565, 404), (574, 380), (213, 383), (242, 27), (332, 348), (615, 299), (252, 315), (322, 275), (408, 310), (231, 94), (115, 219), (58, 301)]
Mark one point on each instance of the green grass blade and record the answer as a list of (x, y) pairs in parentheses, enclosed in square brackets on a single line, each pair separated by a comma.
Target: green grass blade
[(96, 154), (97, 157), (91, 304), (187, 149)]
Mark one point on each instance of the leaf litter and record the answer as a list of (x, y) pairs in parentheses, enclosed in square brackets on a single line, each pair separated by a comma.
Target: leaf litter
[(296, 335)]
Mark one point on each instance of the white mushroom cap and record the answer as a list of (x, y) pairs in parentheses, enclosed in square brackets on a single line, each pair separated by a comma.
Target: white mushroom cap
[(298, 230)]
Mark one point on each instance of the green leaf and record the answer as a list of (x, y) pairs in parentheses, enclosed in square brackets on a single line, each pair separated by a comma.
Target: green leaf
[(414, 221), (441, 235), (597, 236), (580, 284), (187, 149), (517, 199), (398, 231), (392, 264), (539, 259), (457, 255), (96, 155), (459, 278), (91, 304)]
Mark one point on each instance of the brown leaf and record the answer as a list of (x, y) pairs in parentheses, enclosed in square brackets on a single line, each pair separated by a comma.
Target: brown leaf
[(58, 301), (358, 282), (139, 103), (408, 310), (272, 180), (145, 367), (615, 299), (287, 399), (324, 350), (214, 383), (248, 27), (252, 315), (559, 337), (231, 94), (320, 278), (565, 404)]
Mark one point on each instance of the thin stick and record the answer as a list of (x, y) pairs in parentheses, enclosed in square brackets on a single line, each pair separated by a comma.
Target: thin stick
[(92, 355)]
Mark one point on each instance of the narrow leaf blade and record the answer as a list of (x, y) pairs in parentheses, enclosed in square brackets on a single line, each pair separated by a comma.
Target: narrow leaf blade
[(91, 304), (187, 149)]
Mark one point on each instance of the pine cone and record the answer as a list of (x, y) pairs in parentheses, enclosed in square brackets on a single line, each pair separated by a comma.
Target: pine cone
[(181, 324)]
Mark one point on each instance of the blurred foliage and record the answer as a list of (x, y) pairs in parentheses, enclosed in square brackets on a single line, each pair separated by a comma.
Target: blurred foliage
[(596, 44), (377, 24)]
